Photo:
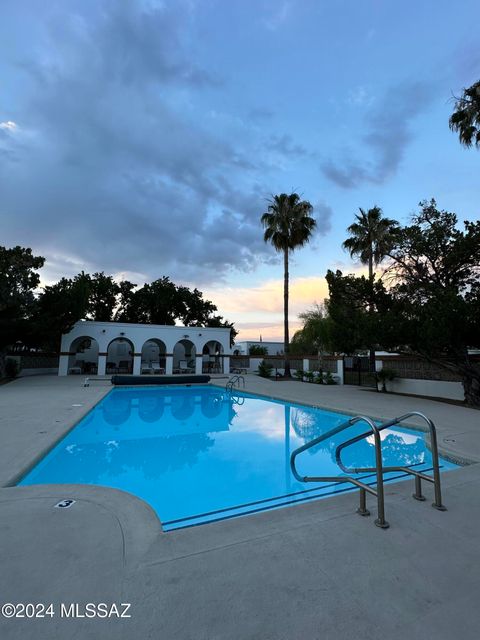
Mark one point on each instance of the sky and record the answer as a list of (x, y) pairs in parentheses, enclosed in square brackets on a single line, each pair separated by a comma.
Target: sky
[(145, 138)]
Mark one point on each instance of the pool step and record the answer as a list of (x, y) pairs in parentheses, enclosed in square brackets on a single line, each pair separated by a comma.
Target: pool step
[(297, 497)]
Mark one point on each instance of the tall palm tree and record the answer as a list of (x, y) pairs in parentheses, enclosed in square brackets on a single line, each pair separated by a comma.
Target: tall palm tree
[(288, 225), (465, 119), (371, 239)]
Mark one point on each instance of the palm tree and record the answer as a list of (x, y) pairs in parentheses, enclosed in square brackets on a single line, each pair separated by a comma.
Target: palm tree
[(288, 225), (465, 119), (371, 239)]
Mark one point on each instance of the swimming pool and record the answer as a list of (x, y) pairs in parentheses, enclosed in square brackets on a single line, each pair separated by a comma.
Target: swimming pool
[(197, 454)]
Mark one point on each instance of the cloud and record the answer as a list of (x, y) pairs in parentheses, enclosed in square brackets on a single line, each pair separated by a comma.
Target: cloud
[(119, 171), (388, 133), (285, 145), (279, 16), (360, 97), (260, 115), (9, 125)]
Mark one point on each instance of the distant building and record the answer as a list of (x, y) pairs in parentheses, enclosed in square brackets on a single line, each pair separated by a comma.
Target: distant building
[(119, 347), (273, 348)]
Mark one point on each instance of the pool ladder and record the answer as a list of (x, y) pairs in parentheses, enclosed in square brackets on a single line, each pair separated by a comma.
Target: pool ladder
[(235, 380), (379, 469)]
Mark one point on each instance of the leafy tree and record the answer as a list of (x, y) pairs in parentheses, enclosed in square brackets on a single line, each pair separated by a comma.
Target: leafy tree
[(436, 293), (57, 309), (103, 297), (195, 310), (126, 307), (257, 350), (288, 225), (163, 302), (18, 281), (371, 239), (465, 120), (315, 335), (347, 306), (218, 321)]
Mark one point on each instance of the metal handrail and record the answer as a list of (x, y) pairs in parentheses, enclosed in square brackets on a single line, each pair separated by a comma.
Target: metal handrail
[(364, 488), (234, 380), (417, 474)]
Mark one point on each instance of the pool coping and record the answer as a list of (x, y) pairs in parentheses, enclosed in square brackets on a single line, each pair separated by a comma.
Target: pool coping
[(17, 477)]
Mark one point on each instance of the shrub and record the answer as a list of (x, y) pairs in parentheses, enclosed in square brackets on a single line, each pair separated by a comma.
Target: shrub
[(309, 376), (265, 369), (329, 379), (299, 374), (319, 378), (11, 368), (384, 375), (257, 350)]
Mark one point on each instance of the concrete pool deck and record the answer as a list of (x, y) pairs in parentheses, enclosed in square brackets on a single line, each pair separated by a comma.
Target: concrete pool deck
[(316, 570)]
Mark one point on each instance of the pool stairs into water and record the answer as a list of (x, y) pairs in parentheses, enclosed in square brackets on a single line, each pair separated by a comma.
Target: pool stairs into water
[(379, 470)]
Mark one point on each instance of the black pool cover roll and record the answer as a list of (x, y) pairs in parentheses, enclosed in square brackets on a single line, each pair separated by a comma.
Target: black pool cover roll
[(131, 381)]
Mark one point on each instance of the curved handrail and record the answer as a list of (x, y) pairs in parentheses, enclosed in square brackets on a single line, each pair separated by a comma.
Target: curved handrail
[(418, 476), (379, 493), (233, 380)]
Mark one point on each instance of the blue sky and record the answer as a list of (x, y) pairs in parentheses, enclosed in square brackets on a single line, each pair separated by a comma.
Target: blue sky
[(144, 138)]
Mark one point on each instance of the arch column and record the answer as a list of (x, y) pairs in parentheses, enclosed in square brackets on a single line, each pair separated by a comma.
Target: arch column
[(198, 363), (226, 364), (137, 363), (169, 364), (102, 363), (63, 363)]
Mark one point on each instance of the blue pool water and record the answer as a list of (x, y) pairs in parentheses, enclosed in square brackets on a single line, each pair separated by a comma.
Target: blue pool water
[(196, 454)]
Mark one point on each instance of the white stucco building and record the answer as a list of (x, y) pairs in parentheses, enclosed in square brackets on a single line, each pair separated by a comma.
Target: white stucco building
[(117, 347), (273, 348)]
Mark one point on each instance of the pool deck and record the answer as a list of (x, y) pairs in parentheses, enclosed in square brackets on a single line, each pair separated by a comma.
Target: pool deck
[(316, 570)]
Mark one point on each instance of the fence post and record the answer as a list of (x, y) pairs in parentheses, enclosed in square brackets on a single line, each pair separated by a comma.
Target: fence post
[(306, 364), (340, 370)]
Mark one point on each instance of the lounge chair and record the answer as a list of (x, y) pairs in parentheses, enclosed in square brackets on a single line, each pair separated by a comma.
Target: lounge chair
[(77, 367), (124, 366), (184, 368), (156, 368), (145, 368)]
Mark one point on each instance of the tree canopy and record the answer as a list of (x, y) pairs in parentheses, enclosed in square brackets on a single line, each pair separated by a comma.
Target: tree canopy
[(19, 279), (37, 318), (431, 307), (371, 237), (465, 120), (315, 336)]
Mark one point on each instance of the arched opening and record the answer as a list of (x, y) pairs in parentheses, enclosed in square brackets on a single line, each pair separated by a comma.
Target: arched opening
[(184, 354), (212, 357), (154, 357), (83, 356), (120, 356)]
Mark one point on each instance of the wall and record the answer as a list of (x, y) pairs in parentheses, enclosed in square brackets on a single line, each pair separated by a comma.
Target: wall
[(431, 388), (421, 378)]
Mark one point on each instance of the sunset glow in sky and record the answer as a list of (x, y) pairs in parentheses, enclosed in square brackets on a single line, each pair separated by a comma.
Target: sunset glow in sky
[(144, 138)]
